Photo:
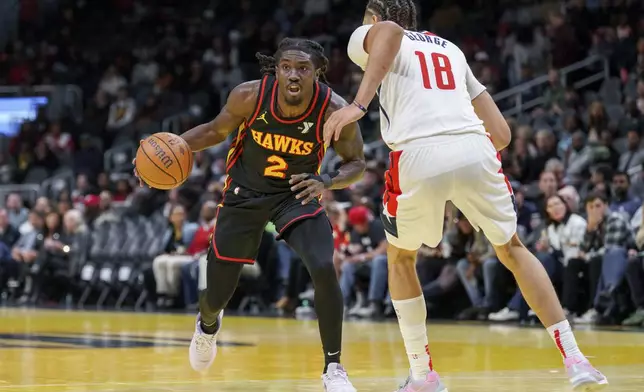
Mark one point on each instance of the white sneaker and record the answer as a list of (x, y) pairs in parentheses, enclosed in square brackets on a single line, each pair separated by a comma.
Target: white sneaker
[(203, 347), (587, 318), (504, 314), (336, 379)]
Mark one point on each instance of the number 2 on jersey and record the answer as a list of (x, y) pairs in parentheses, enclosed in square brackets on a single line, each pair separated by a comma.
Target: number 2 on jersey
[(442, 71), (276, 167)]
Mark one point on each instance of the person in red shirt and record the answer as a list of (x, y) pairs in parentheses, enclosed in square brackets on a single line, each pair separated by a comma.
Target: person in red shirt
[(338, 219)]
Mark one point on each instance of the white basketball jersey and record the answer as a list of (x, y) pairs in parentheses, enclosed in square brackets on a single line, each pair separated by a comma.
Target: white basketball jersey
[(428, 91)]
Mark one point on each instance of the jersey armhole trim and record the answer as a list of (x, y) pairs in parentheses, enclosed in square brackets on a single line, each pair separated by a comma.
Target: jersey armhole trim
[(323, 109), (259, 102)]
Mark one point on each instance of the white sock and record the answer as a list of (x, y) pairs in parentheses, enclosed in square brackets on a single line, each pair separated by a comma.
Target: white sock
[(412, 316), (565, 340)]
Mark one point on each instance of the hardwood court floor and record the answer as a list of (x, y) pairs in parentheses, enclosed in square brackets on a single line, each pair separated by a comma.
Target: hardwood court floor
[(43, 350)]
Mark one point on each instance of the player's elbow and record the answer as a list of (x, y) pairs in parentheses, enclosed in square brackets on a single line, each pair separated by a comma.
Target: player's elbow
[(503, 137)]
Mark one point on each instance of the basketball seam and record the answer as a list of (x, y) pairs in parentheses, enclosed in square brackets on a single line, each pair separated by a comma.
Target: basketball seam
[(154, 183), (158, 167), (175, 155)]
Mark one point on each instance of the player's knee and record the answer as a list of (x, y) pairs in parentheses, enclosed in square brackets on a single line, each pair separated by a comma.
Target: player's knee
[(505, 252), (400, 257)]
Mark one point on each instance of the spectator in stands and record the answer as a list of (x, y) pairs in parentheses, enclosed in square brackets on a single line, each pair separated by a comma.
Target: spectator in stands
[(547, 187), (8, 234), (608, 238), (16, 210), (146, 70), (112, 82), (634, 155), (25, 252), (565, 49), (59, 142), (598, 183), (473, 275), (106, 210), (546, 149), (570, 195), (622, 201), (635, 278), (597, 121), (554, 96), (558, 245), (167, 267), (437, 267), (367, 249), (122, 111), (578, 158)]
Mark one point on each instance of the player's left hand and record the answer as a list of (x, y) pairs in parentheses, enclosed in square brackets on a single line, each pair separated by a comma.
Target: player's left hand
[(338, 120), (310, 186)]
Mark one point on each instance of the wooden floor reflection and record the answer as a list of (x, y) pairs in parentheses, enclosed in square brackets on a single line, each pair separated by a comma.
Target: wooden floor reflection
[(43, 350)]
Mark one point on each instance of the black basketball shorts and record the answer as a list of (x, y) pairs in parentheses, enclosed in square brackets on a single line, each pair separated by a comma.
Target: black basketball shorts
[(243, 215)]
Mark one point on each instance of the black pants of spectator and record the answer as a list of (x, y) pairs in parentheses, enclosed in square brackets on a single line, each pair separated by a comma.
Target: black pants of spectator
[(9, 269), (50, 272), (575, 283), (635, 278)]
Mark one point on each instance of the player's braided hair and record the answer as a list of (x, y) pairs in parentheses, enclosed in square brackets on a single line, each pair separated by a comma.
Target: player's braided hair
[(320, 61), (402, 12)]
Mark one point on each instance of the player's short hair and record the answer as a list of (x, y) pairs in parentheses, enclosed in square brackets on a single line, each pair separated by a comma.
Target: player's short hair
[(402, 12), (314, 49)]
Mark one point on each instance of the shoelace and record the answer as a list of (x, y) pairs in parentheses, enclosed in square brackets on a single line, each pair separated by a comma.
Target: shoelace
[(203, 344), (338, 377)]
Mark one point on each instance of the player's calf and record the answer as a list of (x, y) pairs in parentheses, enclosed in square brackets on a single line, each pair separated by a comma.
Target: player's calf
[(409, 304), (537, 289)]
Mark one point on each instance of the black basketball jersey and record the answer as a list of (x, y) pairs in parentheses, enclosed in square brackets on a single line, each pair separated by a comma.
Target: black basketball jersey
[(268, 148)]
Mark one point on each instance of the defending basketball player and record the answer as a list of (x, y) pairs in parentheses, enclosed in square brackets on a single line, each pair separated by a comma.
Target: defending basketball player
[(429, 104), (273, 176)]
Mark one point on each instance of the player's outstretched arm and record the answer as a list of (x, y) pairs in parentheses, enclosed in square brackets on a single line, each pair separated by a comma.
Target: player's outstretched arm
[(349, 147), (382, 43), (239, 107)]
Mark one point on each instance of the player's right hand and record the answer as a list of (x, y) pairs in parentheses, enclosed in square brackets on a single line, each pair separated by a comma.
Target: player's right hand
[(136, 173)]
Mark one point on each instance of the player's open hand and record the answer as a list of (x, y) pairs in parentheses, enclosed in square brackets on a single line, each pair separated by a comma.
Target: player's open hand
[(309, 187), (136, 173), (338, 120)]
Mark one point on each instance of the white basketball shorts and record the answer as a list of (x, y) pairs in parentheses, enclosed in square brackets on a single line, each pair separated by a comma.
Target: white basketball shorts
[(464, 169)]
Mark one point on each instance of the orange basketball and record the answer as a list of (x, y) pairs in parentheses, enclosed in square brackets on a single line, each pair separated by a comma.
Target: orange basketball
[(164, 160)]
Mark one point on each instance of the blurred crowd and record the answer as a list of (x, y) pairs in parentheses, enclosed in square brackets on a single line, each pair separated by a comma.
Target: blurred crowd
[(575, 162)]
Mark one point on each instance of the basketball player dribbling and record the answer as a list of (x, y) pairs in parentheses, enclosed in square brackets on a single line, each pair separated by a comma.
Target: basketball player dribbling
[(273, 175), (441, 151)]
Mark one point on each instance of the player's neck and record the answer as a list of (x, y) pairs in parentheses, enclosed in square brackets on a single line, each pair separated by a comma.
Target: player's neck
[(291, 111)]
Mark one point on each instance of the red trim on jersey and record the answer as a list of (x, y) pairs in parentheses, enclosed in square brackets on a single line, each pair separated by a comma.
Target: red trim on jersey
[(318, 128), (226, 258), (237, 150), (392, 184), (429, 33), (299, 218), (316, 93), (505, 178), (258, 105)]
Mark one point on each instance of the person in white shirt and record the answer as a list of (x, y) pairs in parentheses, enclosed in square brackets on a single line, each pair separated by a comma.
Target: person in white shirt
[(442, 152)]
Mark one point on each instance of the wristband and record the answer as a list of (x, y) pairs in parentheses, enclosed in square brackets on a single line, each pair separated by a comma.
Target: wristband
[(364, 109)]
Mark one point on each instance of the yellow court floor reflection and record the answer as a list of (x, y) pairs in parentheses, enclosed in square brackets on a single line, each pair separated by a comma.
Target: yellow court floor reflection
[(42, 350)]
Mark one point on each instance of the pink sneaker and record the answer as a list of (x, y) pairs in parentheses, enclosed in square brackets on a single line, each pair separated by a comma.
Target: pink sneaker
[(583, 376), (203, 347), (431, 383)]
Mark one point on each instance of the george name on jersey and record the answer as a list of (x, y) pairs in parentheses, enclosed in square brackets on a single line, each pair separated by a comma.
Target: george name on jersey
[(430, 39), (281, 143)]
